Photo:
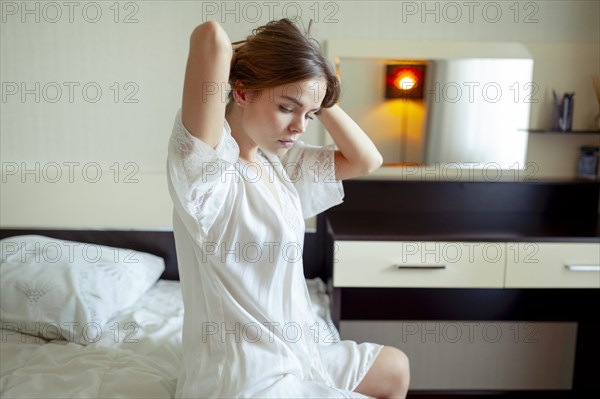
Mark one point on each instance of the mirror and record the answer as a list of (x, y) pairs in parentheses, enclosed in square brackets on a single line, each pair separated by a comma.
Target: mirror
[(474, 111)]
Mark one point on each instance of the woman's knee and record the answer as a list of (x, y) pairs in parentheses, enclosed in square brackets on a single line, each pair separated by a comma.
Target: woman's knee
[(389, 375), (398, 366)]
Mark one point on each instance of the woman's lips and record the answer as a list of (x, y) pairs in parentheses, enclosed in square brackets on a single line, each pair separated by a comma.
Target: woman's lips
[(286, 143)]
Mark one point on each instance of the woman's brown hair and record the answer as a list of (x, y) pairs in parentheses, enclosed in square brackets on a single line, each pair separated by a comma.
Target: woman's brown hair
[(278, 53)]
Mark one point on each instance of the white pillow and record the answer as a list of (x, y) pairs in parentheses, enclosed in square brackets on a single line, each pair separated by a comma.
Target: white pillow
[(60, 289)]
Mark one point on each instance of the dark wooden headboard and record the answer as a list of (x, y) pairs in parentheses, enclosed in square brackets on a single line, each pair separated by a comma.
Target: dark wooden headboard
[(161, 243)]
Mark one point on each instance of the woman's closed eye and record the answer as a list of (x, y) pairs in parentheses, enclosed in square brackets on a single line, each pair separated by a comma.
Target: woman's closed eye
[(290, 110), (286, 110)]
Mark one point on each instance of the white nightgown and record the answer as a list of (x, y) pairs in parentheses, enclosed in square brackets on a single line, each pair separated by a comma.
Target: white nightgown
[(249, 329)]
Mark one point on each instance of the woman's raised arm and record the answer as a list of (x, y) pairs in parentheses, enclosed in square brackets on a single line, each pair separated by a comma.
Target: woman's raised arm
[(356, 155), (206, 77)]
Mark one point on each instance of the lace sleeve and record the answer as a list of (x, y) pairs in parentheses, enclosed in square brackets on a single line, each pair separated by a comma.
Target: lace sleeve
[(312, 171), (199, 175)]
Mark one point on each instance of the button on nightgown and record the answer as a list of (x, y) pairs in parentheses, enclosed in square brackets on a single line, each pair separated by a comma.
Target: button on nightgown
[(249, 328)]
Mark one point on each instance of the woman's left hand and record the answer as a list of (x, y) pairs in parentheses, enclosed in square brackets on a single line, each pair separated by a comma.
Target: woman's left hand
[(356, 155)]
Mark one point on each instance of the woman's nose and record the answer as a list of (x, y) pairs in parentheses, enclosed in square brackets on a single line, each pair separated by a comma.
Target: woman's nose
[(298, 125)]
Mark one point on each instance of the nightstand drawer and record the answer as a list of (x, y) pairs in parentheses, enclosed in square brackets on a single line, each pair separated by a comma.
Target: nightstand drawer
[(418, 264), (553, 265)]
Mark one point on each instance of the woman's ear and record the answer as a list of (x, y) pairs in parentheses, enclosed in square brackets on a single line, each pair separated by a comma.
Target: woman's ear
[(240, 95)]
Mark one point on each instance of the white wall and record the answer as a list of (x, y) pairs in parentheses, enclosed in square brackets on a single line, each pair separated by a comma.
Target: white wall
[(56, 136)]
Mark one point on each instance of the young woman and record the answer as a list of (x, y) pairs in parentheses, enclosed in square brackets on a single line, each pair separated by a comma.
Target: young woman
[(242, 184)]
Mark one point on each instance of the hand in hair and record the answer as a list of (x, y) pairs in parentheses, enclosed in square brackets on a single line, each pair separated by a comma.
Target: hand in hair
[(235, 47)]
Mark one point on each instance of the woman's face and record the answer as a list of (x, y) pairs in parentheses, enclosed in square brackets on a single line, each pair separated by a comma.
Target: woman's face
[(275, 118)]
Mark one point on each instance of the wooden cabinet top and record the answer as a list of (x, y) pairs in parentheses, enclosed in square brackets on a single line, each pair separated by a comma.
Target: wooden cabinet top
[(475, 211)]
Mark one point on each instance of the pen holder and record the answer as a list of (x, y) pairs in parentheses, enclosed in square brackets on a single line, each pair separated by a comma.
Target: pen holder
[(562, 113)]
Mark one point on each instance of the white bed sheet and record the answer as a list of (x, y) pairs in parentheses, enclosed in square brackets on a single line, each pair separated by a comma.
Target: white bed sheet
[(137, 355)]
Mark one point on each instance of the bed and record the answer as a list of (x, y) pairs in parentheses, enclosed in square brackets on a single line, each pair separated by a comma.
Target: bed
[(98, 313)]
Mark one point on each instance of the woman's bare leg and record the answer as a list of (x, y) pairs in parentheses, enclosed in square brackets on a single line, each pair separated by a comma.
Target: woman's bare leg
[(388, 377)]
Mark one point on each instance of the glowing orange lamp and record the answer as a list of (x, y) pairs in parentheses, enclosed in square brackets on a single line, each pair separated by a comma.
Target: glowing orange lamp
[(405, 81)]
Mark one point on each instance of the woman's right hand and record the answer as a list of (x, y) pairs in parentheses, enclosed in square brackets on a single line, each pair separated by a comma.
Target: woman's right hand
[(235, 46)]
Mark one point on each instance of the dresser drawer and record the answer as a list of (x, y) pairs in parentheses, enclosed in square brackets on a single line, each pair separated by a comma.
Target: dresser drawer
[(553, 265), (418, 264)]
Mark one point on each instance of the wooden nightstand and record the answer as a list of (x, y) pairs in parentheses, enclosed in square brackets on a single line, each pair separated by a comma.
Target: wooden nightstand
[(491, 279)]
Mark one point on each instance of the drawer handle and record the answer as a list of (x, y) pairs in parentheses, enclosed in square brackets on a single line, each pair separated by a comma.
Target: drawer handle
[(419, 267), (583, 268)]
